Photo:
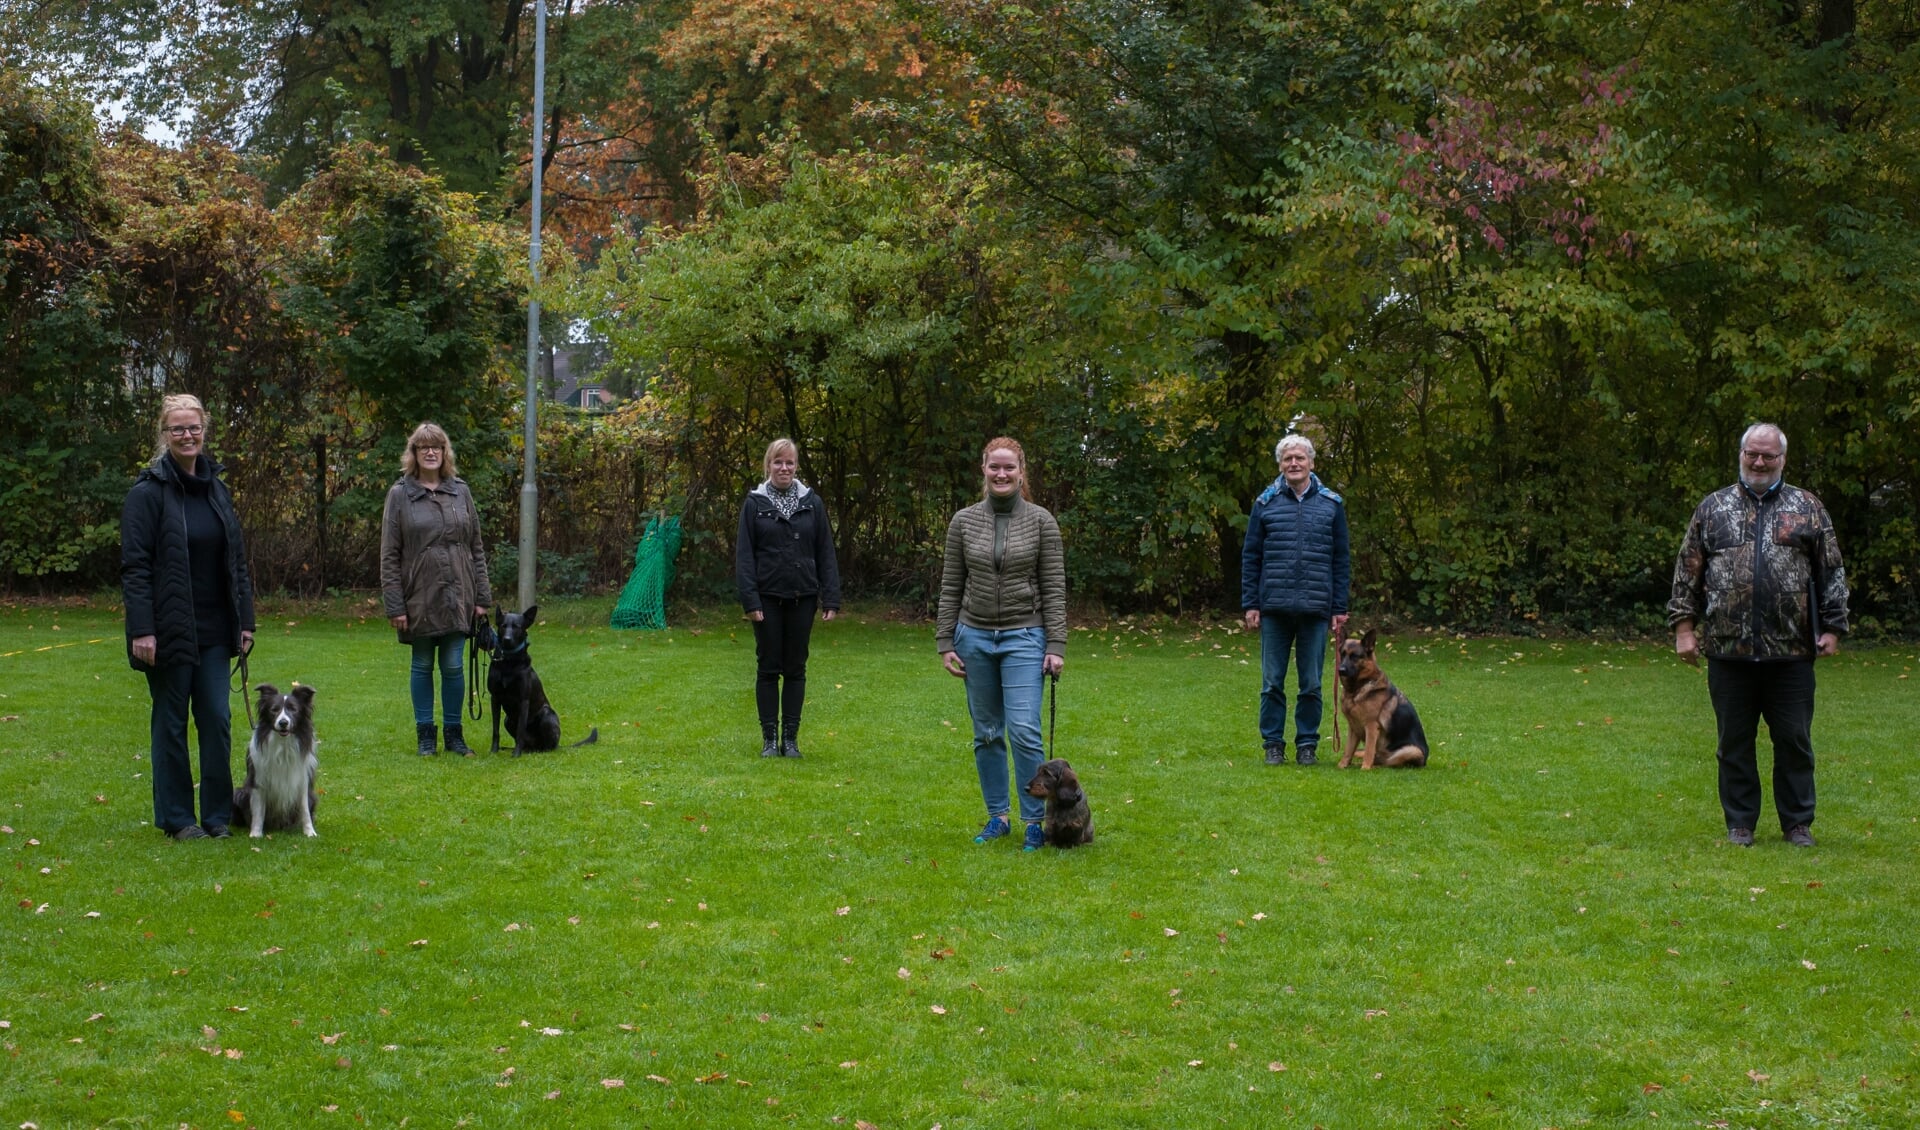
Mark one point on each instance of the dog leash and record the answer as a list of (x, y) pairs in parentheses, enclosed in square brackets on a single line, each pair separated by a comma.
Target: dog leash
[(1053, 710), (474, 681), (1339, 638), (239, 672)]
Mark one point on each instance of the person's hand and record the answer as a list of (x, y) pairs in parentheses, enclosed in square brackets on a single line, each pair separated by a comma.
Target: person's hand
[(1253, 619), (955, 665), (1685, 645), (246, 643), (144, 649), (399, 622), (1829, 644), (1339, 624), (756, 616), (830, 614), (1052, 665), (480, 610)]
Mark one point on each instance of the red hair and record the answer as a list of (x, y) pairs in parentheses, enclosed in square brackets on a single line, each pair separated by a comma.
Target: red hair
[(1004, 443)]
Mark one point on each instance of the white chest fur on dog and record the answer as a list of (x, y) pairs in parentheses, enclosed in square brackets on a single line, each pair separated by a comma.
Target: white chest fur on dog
[(281, 764)]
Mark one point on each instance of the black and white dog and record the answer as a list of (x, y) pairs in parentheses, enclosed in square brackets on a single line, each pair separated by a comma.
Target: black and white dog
[(281, 765), (517, 692)]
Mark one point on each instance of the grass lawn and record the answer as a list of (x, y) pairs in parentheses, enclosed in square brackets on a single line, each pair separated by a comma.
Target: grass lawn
[(1543, 928)]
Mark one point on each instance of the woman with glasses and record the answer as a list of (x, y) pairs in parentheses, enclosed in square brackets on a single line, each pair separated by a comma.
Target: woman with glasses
[(433, 578), (189, 600)]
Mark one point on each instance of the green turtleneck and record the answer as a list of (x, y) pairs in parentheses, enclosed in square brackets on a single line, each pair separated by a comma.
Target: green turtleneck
[(1002, 514)]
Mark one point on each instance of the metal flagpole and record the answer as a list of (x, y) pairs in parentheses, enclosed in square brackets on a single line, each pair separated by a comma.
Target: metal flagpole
[(529, 492)]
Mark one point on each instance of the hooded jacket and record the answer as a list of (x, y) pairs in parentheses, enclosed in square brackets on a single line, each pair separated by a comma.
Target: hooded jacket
[(1296, 556), (156, 582), (1752, 566), (433, 569), (780, 557)]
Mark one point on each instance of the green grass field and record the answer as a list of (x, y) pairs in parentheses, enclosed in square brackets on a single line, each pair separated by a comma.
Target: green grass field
[(1545, 928)]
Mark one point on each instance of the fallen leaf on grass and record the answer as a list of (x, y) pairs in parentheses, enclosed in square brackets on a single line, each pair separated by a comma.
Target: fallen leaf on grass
[(938, 1010), (1758, 1077), (1373, 1012), (863, 1124), (851, 1063), (610, 1084), (333, 1039), (660, 1079), (1276, 1065), (904, 973), (1651, 1088), (1808, 964), (236, 1116), (1170, 931), (269, 951), (511, 927), (552, 1032), (716, 1077), (234, 1053), (552, 1095), (418, 942), (843, 911)]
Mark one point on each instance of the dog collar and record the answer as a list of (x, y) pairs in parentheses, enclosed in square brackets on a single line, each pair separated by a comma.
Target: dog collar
[(502, 653)]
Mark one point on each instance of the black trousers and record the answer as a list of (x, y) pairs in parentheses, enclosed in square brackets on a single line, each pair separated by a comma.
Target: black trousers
[(1744, 692), (780, 639)]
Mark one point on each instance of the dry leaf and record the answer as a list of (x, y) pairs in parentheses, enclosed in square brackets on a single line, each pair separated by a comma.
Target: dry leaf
[(269, 951), (716, 1077), (551, 1032), (1171, 932), (1196, 1062), (511, 927), (1651, 1088), (236, 1116), (904, 973), (234, 1053), (1758, 1077), (552, 1095), (1808, 964), (863, 1124), (1276, 1065), (417, 942), (610, 1084), (333, 1039), (938, 1010), (661, 1079), (843, 911)]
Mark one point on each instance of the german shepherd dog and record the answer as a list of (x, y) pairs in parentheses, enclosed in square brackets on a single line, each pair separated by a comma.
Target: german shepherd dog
[(279, 791), (1378, 713), (1069, 822), (516, 690)]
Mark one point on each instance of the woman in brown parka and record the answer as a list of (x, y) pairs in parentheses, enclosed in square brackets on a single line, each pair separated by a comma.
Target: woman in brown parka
[(433, 577)]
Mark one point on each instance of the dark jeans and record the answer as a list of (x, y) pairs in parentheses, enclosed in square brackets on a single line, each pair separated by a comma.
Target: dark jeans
[(1743, 692), (780, 642), (201, 689), (1303, 638)]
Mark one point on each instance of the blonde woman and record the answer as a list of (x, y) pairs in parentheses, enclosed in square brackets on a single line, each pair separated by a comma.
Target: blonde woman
[(189, 601), (783, 567), (433, 578), (1003, 628)]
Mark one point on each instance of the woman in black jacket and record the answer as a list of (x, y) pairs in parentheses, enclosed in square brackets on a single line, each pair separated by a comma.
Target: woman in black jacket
[(189, 599), (784, 567)]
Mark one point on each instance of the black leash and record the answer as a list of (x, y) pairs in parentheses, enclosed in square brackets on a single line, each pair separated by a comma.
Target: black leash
[(1053, 710), (239, 672), (474, 679)]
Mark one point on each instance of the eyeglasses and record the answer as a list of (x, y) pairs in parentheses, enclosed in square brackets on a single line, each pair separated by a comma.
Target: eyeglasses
[(178, 430), (1753, 456), (423, 448)]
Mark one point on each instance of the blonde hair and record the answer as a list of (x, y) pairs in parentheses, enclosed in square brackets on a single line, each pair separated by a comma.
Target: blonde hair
[(775, 448), (1003, 443), (176, 402), (433, 435)]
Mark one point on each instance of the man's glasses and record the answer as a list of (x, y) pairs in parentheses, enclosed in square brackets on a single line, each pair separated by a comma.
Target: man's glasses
[(178, 430)]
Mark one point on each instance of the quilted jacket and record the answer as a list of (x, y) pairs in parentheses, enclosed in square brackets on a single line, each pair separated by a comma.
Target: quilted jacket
[(1026, 588), (1295, 557)]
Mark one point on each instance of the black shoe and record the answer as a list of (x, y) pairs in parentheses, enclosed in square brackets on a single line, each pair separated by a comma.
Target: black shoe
[(789, 749), (426, 733), (1276, 753), (219, 832), (1304, 756), (457, 741), (1800, 836), (789, 737), (770, 747), (1740, 837), (191, 832)]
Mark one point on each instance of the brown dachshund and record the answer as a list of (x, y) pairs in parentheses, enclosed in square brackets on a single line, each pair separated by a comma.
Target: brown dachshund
[(1378, 713), (1069, 822)]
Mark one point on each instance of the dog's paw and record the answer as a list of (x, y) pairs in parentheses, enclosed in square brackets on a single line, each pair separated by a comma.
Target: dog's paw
[(312, 833), (256, 835)]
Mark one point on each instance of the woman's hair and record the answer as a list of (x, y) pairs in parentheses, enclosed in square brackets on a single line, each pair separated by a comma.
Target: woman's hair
[(1003, 443), (775, 448), (168, 406), (429, 434)]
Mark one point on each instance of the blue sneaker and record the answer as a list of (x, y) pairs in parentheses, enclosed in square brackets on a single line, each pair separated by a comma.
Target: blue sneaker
[(1036, 837), (997, 826)]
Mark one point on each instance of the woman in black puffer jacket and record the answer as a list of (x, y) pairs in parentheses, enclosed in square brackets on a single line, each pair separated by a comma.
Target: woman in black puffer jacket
[(783, 566), (189, 599)]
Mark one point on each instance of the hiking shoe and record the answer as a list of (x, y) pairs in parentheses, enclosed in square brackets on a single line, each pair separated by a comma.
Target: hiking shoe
[(219, 832), (997, 826), (1740, 837), (1799, 835), (789, 748), (191, 832), (427, 735), (457, 741), (1276, 753), (1036, 838), (770, 747), (1304, 756)]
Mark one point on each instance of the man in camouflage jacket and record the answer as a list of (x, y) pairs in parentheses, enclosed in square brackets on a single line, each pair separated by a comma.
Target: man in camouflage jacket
[(1760, 590)]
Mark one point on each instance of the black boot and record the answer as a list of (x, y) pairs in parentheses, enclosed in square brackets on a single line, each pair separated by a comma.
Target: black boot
[(426, 732), (457, 742), (788, 746), (769, 739)]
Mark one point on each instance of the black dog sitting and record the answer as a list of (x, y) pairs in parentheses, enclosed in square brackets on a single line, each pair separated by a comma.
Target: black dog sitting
[(1069, 822), (516, 689)]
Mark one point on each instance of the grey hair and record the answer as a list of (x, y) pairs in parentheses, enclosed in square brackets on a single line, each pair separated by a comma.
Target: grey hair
[(1292, 439), (1765, 427)]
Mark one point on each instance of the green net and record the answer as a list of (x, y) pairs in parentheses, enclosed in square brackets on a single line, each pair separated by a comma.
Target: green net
[(643, 603)]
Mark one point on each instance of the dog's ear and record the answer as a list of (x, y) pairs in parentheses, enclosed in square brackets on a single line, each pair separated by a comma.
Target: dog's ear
[(499, 616), (304, 693), (1068, 793), (266, 689), (531, 615), (1366, 641)]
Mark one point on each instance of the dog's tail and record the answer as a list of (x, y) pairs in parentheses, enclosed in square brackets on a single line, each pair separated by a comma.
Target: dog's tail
[(593, 736)]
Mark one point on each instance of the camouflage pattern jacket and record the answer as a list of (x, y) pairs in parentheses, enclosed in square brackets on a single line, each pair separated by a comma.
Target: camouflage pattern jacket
[(1748, 568)]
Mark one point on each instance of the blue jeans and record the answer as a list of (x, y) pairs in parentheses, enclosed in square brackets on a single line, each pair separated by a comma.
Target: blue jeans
[(1284, 636), (453, 678), (1004, 678), (202, 689)]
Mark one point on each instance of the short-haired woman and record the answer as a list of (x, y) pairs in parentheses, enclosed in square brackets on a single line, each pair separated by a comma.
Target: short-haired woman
[(1003, 628), (189, 600), (433, 578), (783, 567)]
